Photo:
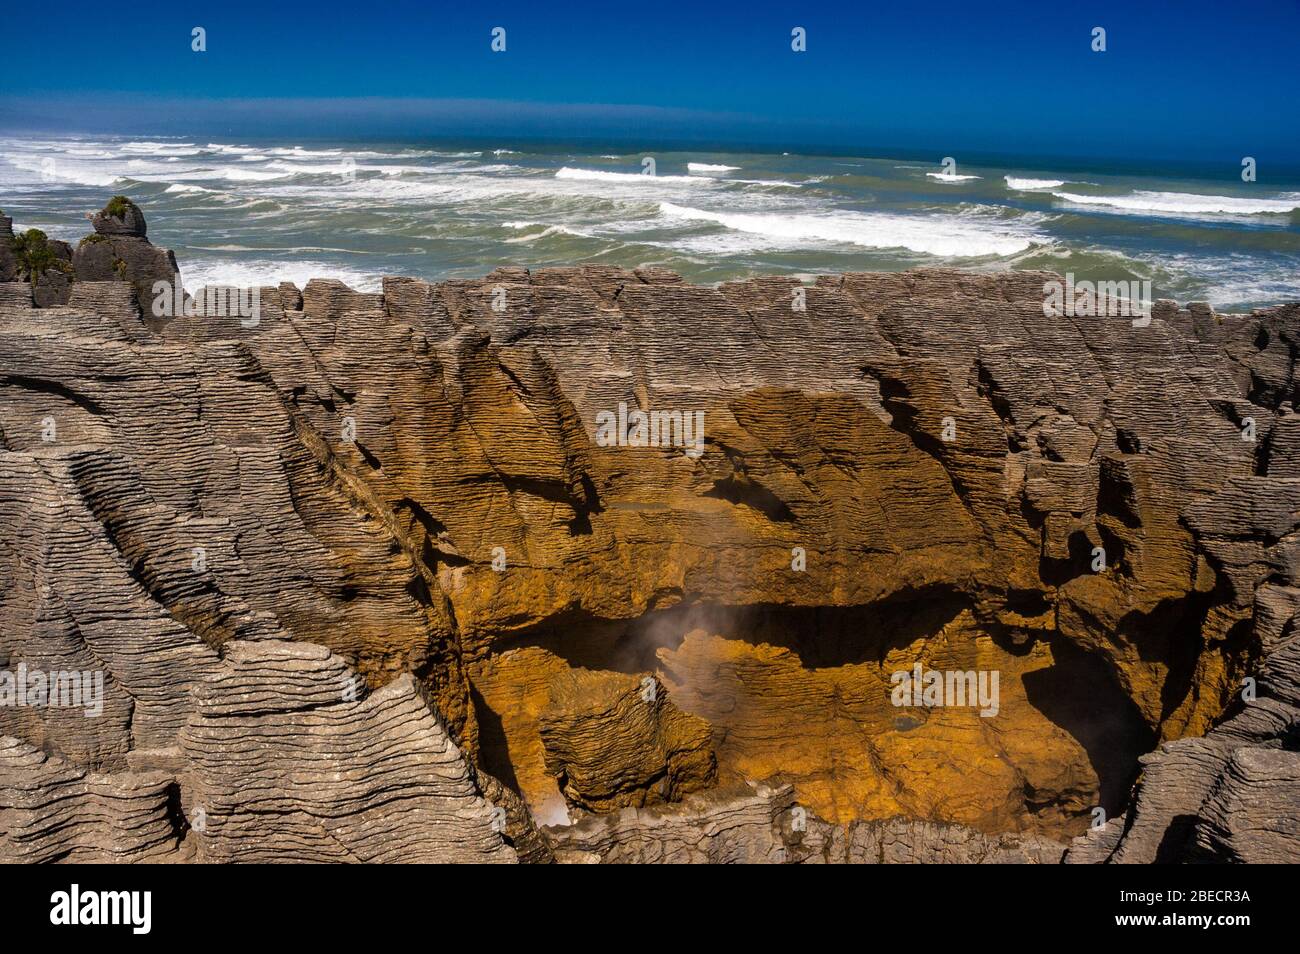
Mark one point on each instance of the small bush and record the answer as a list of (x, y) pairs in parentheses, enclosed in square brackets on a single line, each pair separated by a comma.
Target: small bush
[(35, 256), (118, 206)]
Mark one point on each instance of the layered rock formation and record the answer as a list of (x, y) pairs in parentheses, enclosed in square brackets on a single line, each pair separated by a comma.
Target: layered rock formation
[(8, 254), (32, 257), (763, 824), (53, 811), (285, 758), (118, 250), (613, 740), (449, 492)]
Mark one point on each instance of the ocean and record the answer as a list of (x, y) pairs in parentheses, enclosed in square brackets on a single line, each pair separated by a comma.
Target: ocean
[(244, 213)]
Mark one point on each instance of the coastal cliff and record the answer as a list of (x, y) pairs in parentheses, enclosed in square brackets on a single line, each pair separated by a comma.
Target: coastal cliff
[(593, 564)]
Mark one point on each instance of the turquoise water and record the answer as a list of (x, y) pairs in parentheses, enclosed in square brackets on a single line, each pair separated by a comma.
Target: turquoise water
[(238, 212)]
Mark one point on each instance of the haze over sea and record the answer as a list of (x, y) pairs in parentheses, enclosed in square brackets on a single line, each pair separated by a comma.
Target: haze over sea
[(256, 212)]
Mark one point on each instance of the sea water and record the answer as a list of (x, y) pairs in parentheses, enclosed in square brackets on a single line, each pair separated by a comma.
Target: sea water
[(258, 212)]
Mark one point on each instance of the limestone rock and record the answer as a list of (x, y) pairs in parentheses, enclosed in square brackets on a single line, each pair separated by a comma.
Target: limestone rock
[(519, 829), (480, 488), (121, 217), (330, 298), (1249, 816), (763, 824), (16, 294), (74, 603), (283, 749), (909, 841), (51, 811), (614, 740), (119, 251), (724, 826), (44, 263), (8, 261), (1097, 845)]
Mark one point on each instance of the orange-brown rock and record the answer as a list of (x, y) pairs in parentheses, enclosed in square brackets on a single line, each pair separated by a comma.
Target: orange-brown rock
[(614, 740)]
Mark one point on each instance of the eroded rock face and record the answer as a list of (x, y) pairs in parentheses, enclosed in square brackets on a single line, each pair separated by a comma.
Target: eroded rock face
[(288, 760), (615, 740), (763, 824), (1249, 816), (726, 826), (51, 811), (118, 250), (45, 264), (121, 217), (448, 488), (880, 761), (8, 261), (73, 603), (1227, 797)]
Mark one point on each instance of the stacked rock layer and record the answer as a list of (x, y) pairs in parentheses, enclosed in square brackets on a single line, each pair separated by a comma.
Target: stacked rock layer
[(407, 575)]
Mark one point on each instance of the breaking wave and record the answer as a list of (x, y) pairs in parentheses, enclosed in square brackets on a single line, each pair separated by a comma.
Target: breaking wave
[(943, 236), (1028, 185), (600, 175), (1185, 203)]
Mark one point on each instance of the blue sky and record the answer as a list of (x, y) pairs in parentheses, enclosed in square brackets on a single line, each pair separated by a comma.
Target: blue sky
[(1179, 80)]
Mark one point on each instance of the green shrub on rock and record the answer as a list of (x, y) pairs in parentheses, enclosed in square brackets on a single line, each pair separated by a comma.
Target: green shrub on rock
[(34, 254), (118, 206)]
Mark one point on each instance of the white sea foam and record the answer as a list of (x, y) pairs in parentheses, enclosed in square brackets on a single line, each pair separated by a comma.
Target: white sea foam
[(1186, 203), (950, 176), (161, 148), (246, 175), (710, 167), (81, 173), (1239, 293), (313, 168), (447, 189), (1028, 185), (184, 187), (402, 170), (236, 150), (238, 274), (137, 166), (774, 183), (547, 230), (297, 152), (630, 178), (1228, 282), (491, 167), (945, 236)]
